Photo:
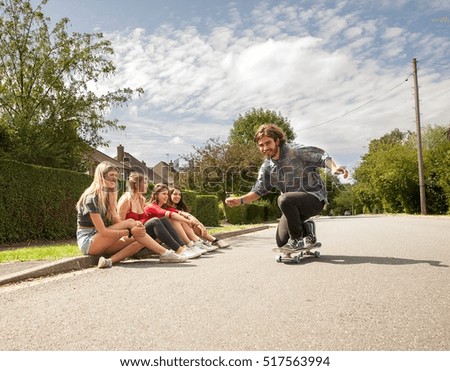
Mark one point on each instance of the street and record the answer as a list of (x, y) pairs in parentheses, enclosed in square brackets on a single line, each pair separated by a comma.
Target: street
[(381, 283)]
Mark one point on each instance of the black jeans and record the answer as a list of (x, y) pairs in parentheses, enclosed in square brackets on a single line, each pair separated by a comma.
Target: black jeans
[(163, 230), (296, 207)]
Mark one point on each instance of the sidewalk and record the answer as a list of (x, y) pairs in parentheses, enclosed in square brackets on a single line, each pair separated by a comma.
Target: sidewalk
[(22, 271)]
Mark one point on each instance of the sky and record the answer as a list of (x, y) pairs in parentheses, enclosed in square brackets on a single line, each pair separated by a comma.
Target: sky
[(340, 72)]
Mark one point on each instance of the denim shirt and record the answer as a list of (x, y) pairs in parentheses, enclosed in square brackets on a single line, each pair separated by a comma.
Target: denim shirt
[(294, 171)]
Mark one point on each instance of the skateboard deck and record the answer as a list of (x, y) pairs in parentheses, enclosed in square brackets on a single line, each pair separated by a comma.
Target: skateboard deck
[(295, 257)]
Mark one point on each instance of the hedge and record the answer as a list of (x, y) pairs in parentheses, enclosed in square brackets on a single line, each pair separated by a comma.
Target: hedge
[(207, 210), (38, 202), (189, 198), (253, 213)]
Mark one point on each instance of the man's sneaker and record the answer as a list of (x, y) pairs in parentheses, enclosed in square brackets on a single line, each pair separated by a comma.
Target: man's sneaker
[(171, 256), (191, 252), (294, 244), (310, 241), (104, 263), (221, 244)]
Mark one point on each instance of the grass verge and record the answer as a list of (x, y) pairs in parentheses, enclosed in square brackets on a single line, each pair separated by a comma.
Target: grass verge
[(53, 252)]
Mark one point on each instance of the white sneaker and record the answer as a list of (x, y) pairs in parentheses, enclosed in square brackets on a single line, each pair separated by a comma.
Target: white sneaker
[(209, 246), (221, 244), (171, 256), (199, 246), (191, 252), (104, 263), (204, 246)]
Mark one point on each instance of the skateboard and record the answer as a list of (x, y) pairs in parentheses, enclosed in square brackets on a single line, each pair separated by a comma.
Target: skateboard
[(287, 256)]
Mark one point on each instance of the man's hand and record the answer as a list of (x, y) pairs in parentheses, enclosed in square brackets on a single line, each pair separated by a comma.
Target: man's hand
[(341, 170), (233, 201)]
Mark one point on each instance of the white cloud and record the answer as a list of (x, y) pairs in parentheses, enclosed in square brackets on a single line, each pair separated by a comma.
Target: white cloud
[(312, 64), (176, 140)]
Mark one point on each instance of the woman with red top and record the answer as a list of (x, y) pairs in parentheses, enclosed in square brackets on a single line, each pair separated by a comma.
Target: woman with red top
[(158, 207), (131, 205)]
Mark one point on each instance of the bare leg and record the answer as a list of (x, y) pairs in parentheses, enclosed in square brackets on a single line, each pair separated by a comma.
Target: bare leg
[(124, 247), (189, 232), (180, 230), (207, 237)]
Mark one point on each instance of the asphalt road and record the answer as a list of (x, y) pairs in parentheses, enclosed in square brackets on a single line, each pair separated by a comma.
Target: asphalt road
[(381, 283)]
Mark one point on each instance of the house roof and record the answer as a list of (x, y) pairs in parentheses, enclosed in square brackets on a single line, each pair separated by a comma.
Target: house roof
[(97, 157)]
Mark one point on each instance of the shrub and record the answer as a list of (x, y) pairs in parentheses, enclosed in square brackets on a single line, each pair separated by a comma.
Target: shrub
[(190, 199), (38, 202), (207, 210)]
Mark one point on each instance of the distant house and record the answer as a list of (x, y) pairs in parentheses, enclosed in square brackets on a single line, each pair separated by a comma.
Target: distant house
[(132, 163), (162, 172), (95, 157)]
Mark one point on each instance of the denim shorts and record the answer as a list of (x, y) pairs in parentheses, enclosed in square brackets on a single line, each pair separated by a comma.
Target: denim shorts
[(84, 239)]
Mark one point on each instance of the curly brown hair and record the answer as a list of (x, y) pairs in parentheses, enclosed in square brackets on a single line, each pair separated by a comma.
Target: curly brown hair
[(271, 131)]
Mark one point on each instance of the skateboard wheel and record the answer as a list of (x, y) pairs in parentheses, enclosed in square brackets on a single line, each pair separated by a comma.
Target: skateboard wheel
[(279, 259), (297, 259), (316, 254)]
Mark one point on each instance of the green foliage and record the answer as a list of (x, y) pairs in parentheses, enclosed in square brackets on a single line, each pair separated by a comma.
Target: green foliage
[(207, 210), (245, 126), (222, 215), (190, 199), (254, 213), (387, 178), (48, 115), (271, 210), (38, 202), (236, 215), (341, 197), (436, 142)]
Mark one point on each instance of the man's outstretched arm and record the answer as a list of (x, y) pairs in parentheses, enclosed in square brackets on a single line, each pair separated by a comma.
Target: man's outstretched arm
[(237, 201)]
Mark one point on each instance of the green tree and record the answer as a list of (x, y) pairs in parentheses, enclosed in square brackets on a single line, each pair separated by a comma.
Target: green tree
[(436, 154), (242, 149), (48, 114), (245, 126), (388, 174), (341, 196), (387, 178)]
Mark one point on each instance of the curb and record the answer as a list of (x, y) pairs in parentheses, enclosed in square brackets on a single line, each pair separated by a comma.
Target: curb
[(83, 262), (48, 269)]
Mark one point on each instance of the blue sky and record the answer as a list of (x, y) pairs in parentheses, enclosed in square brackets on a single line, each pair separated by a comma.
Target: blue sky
[(336, 70)]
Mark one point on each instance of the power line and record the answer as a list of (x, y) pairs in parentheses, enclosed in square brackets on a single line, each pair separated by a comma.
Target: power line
[(357, 108)]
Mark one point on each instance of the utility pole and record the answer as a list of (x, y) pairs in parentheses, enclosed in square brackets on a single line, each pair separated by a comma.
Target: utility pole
[(423, 204)]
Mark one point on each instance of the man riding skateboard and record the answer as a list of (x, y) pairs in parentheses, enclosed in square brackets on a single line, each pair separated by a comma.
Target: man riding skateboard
[(293, 169)]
